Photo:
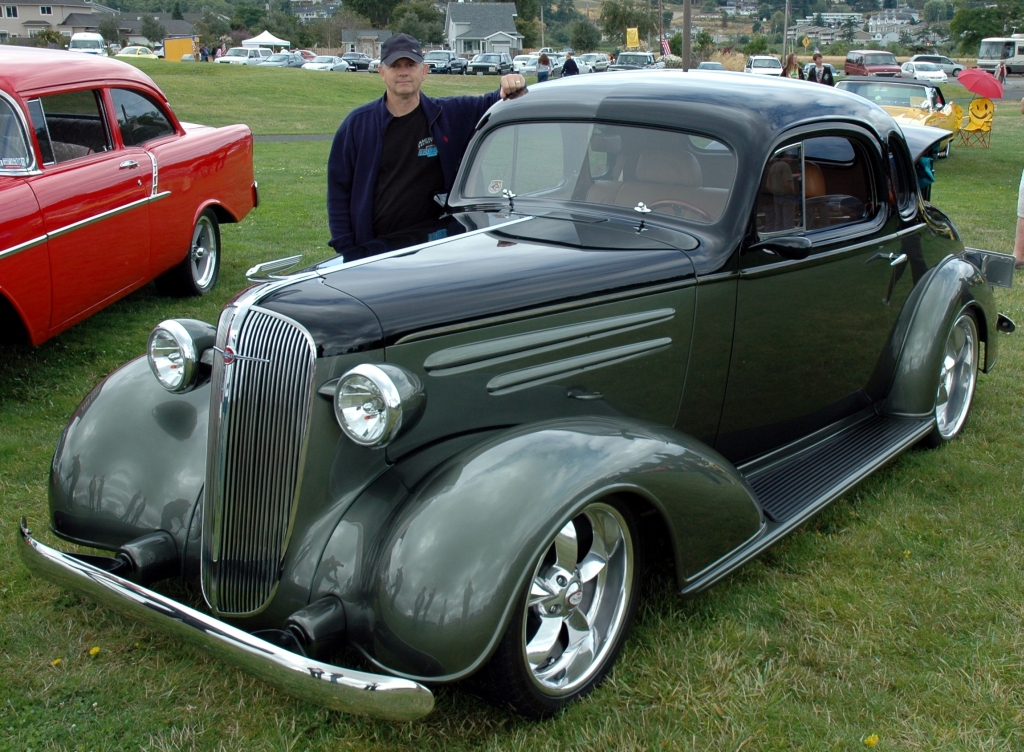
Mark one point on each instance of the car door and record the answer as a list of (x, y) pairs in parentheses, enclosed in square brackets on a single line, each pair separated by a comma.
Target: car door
[(94, 200), (811, 331)]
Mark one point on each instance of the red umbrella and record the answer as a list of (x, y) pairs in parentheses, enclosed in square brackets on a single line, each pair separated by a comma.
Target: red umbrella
[(981, 83)]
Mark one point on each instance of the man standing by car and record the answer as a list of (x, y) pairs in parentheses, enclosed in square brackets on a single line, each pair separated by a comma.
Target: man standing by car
[(820, 72), (569, 67), (392, 156)]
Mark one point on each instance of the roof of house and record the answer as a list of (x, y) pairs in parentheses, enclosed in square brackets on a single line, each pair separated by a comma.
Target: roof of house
[(132, 23), (484, 19), (83, 19), (354, 35)]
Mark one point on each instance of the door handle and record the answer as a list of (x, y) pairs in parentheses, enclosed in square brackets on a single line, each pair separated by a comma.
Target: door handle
[(894, 259), (128, 164)]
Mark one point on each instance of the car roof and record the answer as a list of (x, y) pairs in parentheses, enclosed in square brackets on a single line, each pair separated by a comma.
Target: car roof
[(27, 69)]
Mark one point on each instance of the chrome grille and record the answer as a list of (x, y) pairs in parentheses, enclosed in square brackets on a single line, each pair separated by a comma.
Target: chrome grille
[(259, 418)]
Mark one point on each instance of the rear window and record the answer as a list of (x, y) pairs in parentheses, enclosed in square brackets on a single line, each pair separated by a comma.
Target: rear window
[(139, 118), (14, 149)]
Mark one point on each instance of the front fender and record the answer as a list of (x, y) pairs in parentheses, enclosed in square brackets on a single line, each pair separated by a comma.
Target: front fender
[(131, 460), (922, 331), (447, 567)]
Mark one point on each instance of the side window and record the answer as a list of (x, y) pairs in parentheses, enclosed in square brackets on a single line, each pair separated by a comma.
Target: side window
[(820, 184), (69, 125), (139, 118), (904, 181), (14, 149)]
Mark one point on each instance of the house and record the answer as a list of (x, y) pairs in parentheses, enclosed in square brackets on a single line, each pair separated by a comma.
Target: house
[(21, 20), (367, 41), (130, 25), (471, 28)]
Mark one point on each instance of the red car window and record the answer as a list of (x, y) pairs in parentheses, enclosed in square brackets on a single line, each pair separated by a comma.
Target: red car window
[(69, 125)]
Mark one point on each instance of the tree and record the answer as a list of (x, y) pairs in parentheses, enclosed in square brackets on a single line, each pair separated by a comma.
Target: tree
[(109, 29), (152, 29), (971, 25), (211, 28), (527, 10), (248, 17), (176, 12), (758, 45), (725, 19), (819, 20), (419, 19), (709, 6), (619, 15), (378, 11), (530, 31), (583, 35), (778, 21), (50, 37), (703, 45)]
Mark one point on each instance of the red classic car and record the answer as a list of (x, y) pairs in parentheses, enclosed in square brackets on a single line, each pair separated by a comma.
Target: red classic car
[(102, 189)]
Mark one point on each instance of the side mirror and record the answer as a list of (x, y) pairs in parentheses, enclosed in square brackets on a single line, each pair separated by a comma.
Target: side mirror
[(793, 247)]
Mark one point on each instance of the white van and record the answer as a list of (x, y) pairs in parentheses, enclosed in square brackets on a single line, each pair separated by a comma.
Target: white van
[(89, 43), (1008, 51)]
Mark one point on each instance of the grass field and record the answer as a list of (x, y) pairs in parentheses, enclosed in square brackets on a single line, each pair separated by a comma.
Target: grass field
[(898, 612)]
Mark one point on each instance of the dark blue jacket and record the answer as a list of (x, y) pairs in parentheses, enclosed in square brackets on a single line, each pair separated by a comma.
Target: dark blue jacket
[(355, 158)]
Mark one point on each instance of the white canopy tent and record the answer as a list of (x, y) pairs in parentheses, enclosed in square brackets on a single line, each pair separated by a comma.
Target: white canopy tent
[(266, 39)]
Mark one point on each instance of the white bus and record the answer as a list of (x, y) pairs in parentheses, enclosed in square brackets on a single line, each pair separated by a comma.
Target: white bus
[(996, 51)]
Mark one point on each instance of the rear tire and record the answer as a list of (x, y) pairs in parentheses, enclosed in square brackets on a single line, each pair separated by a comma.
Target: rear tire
[(198, 271), (573, 616), (958, 376)]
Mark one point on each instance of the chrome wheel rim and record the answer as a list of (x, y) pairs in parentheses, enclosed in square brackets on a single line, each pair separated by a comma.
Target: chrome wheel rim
[(957, 377), (578, 599), (203, 255)]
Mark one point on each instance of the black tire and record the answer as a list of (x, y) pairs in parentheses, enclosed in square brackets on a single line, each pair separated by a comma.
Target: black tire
[(198, 272), (958, 376), (569, 625)]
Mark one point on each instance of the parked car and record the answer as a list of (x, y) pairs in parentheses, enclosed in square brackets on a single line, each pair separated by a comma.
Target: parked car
[(284, 60), (490, 63), (764, 65), (326, 63), (158, 50), (445, 61), (949, 67), (136, 52), (598, 61), (307, 55), (103, 190), (923, 72), (357, 61), (710, 65), (809, 71), (519, 61), (909, 102), (629, 339), (632, 61), (245, 56), (871, 63), (374, 65)]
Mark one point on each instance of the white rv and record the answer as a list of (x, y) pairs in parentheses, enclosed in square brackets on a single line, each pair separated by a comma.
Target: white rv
[(89, 43), (1008, 51)]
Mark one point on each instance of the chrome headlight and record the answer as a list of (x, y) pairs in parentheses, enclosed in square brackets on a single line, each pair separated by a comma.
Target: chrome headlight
[(174, 349), (373, 404)]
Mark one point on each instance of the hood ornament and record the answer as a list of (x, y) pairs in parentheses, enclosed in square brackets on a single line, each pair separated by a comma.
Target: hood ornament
[(642, 209), (509, 195)]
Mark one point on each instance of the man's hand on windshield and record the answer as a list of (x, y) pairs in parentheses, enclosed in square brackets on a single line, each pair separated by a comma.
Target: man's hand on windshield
[(512, 86)]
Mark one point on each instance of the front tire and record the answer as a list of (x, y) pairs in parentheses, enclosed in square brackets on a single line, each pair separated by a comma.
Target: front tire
[(198, 271), (572, 618), (958, 375)]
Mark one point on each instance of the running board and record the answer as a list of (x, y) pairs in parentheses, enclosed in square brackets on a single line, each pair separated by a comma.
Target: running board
[(794, 489)]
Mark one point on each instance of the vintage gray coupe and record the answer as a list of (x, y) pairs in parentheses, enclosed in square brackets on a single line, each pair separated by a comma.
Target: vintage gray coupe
[(665, 312)]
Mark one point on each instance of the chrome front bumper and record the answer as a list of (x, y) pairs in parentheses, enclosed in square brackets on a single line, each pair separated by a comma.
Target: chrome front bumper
[(331, 686)]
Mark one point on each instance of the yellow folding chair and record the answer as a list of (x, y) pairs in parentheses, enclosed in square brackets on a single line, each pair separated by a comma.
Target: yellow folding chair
[(977, 131)]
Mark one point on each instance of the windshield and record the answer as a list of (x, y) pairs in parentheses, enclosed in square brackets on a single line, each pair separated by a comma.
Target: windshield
[(436, 56), (488, 58), (926, 66), (995, 50), (85, 44), (880, 58), (890, 95), (237, 52), (322, 59), (674, 173), (627, 58), (276, 59), (765, 62)]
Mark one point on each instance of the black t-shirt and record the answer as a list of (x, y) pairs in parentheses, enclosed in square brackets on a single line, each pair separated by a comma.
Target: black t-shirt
[(409, 176)]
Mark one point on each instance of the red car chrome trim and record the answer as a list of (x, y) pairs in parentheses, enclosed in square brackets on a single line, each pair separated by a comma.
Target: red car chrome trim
[(22, 246), (103, 215)]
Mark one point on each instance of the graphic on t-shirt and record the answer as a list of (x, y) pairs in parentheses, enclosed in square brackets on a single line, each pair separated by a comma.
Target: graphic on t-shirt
[(426, 147), (495, 186)]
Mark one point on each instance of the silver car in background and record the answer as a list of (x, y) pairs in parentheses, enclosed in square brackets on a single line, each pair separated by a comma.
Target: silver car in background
[(326, 63), (598, 61)]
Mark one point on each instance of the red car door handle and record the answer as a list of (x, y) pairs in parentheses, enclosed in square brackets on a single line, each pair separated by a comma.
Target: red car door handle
[(128, 164)]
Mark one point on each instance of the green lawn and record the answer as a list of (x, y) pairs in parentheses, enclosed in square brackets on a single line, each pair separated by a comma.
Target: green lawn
[(897, 612)]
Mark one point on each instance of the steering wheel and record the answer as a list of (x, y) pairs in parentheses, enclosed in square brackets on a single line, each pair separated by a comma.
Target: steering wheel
[(685, 205)]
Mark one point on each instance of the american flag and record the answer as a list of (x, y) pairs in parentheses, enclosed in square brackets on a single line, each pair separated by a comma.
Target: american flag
[(665, 48)]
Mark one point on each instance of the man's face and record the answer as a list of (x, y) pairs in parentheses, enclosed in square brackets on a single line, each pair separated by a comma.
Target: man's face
[(403, 77)]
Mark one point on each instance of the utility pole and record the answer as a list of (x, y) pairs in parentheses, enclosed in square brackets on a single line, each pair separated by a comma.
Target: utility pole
[(686, 35), (785, 33), (661, 27), (542, 23)]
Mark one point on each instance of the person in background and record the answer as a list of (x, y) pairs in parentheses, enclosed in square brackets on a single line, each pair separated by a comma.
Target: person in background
[(793, 69), (569, 67), (1018, 243), (820, 72), (543, 68), (393, 155), (204, 54)]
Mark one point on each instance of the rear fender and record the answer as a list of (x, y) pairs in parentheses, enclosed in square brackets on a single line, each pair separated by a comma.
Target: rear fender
[(131, 460), (440, 568), (952, 286)]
